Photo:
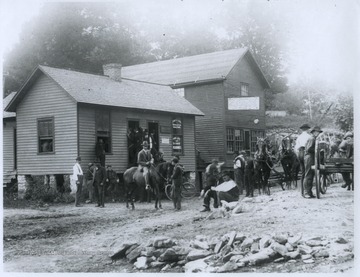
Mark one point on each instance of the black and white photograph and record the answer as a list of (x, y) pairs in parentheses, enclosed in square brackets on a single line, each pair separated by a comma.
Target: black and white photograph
[(179, 137)]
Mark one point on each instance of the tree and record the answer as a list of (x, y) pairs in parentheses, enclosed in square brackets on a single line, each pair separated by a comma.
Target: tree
[(80, 36), (343, 113)]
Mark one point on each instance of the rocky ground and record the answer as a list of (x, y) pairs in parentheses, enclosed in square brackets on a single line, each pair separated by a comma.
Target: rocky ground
[(281, 233)]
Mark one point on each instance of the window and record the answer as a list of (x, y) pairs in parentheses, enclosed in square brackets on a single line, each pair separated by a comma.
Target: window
[(46, 135), (244, 89), (254, 135), (234, 140), (177, 136), (103, 130)]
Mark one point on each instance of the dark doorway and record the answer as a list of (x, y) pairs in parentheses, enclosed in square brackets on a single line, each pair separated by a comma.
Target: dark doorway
[(134, 140), (154, 132)]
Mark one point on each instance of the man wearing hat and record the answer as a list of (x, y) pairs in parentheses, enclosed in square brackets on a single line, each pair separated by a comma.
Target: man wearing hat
[(176, 179), (299, 150), (346, 149), (100, 151), (145, 160), (89, 177), (78, 178), (99, 183), (309, 160), (228, 190), (239, 167)]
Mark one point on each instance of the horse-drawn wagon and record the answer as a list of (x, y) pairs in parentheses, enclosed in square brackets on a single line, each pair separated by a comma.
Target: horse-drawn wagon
[(327, 163)]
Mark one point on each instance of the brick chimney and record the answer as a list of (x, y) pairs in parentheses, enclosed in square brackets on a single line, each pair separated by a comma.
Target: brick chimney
[(113, 70)]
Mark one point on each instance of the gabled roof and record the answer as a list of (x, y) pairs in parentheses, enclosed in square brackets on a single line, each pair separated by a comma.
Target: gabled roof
[(6, 101), (102, 90), (189, 70)]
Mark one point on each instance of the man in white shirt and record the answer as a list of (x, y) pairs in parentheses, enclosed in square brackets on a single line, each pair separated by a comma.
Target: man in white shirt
[(300, 150), (78, 178), (228, 190)]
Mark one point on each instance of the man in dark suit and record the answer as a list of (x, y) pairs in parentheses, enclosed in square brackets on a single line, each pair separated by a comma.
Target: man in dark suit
[(100, 151), (99, 183)]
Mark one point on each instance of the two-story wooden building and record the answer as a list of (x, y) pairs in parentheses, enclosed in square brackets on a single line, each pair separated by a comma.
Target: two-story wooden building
[(227, 86), (61, 114)]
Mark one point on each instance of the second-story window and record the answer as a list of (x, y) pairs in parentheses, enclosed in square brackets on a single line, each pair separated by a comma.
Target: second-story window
[(244, 89)]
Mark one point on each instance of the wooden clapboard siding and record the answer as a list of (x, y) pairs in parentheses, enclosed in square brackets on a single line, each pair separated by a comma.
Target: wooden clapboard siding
[(244, 72), (119, 122), (9, 126), (209, 128), (46, 99)]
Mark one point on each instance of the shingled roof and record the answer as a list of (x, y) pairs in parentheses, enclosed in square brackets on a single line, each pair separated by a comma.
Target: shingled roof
[(6, 101), (188, 70), (102, 90)]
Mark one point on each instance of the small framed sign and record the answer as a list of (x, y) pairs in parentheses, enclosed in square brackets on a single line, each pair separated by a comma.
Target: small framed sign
[(165, 129)]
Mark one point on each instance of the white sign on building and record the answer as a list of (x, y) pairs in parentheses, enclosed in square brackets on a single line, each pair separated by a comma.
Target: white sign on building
[(243, 103)]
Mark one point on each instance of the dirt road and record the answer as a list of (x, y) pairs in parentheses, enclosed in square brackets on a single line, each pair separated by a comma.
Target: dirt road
[(62, 238)]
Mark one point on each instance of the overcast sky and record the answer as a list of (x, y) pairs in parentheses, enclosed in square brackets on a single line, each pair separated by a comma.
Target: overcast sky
[(324, 33)]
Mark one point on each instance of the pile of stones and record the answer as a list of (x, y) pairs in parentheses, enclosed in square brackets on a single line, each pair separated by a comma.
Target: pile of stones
[(228, 253)]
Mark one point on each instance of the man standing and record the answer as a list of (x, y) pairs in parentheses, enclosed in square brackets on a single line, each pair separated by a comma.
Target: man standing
[(99, 183), (300, 151), (89, 177), (111, 180), (176, 178), (100, 151), (239, 167), (309, 160), (78, 178), (249, 177), (346, 149), (144, 162)]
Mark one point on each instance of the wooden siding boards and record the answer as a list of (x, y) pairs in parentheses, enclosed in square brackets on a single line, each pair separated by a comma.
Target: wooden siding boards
[(209, 128), (46, 99), (9, 126), (119, 122)]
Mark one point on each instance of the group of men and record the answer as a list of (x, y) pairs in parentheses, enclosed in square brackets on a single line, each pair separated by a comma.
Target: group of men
[(305, 150), (96, 179)]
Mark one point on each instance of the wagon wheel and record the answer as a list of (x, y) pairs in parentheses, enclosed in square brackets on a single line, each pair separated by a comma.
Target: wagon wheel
[(323, 185), (317, 172)]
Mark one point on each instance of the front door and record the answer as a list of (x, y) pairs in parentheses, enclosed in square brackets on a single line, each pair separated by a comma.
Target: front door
[(153, 128), (133, 141), (247, 147)]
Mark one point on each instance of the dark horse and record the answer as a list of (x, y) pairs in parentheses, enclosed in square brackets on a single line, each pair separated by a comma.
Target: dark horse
[(133, 179), (289, 161), (262, 165)]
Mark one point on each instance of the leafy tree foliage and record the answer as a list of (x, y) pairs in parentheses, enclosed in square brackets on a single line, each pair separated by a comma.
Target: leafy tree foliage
[(343, 113), (80, 36)]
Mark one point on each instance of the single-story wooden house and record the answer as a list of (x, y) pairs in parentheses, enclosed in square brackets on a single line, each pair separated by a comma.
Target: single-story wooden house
[(227, 86), (61, 114), (9, 142)]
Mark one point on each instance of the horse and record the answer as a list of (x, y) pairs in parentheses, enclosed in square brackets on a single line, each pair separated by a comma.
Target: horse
[(262, 165), (289, 161), (133, 179)]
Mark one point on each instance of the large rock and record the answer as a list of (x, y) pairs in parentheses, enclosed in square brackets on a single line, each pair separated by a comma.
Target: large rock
[(304, 249), (197, 254), (265, 241), (119, 249), (196, 266), (141, 263), (281, 238), (218, 246), (169, 256), (237, 258), (322, 254), (232, 237), (157, 264), (289, 246), (163, 242), (295, 239), (255, 247), (313, 243), (134, 254), (256, 259), (292, 255), (279, 248), (131, 248), (228, 267), (240, 237), (246, 244), (200, 244)]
